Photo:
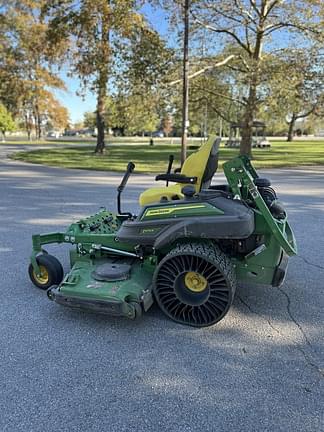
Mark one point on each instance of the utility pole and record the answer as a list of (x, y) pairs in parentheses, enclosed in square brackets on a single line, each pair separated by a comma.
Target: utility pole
[(185, 90)]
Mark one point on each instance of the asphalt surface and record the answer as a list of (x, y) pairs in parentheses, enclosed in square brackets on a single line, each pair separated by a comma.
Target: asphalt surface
[(259, 369)]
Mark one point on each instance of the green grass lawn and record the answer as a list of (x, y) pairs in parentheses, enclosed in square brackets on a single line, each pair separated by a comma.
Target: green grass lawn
[(155, 159), (14, 142), (110, 140)]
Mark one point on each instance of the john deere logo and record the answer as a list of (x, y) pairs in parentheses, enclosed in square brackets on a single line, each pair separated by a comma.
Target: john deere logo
[(149, 230)]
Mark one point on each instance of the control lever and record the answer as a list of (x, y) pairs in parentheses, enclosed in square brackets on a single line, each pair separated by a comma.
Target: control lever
[(171, 159), (129, 170), (121, 187)]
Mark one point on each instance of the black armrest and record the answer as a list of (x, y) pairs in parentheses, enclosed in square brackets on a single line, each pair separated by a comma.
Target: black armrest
[(176, 178)]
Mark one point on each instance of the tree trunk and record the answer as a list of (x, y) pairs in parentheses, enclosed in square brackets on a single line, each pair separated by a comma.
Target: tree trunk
[(292, 122), (102, 82), (37, 127), (38, 124), (185, 90), (100, 117), (251, 105), (247, 129), (28, 127)]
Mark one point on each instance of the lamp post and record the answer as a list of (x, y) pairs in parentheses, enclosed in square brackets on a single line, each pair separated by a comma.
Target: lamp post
[(185, 89)]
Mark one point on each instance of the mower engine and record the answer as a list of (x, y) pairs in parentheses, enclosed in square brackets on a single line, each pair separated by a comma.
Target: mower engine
[(270, 198)]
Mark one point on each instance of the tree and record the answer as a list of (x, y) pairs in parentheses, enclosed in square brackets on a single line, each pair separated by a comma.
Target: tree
[(92, 27), (27, 75), (167, 124), (6, 121), (250, 26), (9, 71), (140, 116), (296, 89), (146, 61), (142, 97), (131, 114), (54, 115), (303, 91), (89, 120)]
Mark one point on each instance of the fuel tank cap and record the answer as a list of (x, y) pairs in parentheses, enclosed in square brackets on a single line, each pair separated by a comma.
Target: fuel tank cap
[(188, 191)]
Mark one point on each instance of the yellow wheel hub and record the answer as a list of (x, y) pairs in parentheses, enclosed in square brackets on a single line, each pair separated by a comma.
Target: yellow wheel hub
[(43, 277), (195, 282)]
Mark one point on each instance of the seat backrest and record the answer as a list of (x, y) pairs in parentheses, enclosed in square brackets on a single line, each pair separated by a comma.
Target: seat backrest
[(203, 164)]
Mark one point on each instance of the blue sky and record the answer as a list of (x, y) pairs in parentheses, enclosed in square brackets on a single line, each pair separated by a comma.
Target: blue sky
[(78, 105)]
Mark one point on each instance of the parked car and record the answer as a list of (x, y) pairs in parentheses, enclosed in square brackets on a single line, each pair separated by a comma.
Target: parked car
[(71, 133), (53, 134), (158, 134)]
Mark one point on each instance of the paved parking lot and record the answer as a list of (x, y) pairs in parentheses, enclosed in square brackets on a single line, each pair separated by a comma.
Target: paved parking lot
[(260, 369)]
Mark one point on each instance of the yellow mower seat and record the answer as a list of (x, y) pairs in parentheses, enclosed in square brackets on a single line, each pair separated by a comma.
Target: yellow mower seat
[(202, 165)]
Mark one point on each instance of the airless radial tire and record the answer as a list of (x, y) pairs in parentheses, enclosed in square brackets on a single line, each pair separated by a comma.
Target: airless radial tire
[(194, 284)]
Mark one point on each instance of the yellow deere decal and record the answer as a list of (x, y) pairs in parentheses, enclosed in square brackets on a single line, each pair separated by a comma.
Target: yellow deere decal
[(169, 210)]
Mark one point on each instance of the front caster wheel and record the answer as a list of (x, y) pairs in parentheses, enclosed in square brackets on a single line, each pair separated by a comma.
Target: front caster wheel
[(194, 284), (51, 272), (138, 311)]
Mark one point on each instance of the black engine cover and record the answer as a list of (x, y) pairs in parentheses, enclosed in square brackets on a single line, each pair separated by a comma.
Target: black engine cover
[(236, 222)]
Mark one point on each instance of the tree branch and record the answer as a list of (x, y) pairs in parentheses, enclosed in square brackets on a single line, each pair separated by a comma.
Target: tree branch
[(247, 38), (225, 31), (205, 99), (244, 63), (271, 28), (307, 113), (221, 95), (205, 69), (236, 69), (272, 6), (255, 8), (222, 115), (245, 12)]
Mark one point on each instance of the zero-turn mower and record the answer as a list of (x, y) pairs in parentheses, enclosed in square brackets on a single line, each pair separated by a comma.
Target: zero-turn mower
[(186, 249)]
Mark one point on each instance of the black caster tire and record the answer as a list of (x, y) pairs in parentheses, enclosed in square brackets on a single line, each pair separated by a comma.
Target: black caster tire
[(138, 310), (51, 272), (194, 284)]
